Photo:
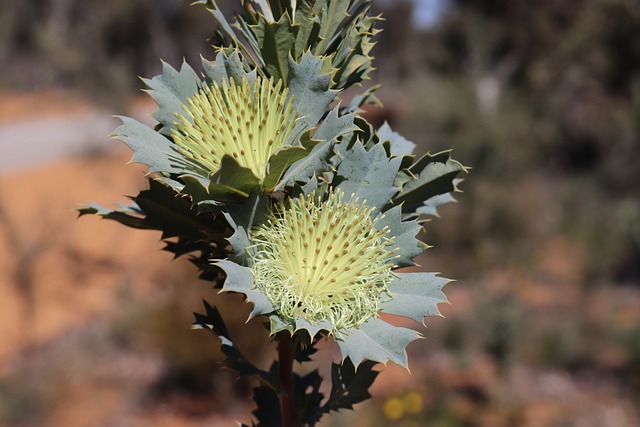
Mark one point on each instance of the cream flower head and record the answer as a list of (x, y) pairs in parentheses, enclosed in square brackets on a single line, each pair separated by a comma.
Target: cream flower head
[(248, 122), (324, 260)]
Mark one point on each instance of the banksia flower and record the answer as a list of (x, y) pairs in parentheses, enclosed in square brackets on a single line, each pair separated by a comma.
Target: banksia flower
[(248, 122), (324, 260)]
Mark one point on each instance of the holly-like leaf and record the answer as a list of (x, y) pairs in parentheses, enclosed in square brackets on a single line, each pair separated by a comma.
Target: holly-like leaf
[(434, 175), (170, 90), (368, 175), (404, 233), (232, 181), (334, 126), (348, 385), (280, 162), (267, 412), (276, 41), (242, 218), (240, 279), (149, 147), (212, 320), (400, 146), (415, 295), (310, 90), (308, 28), (316, 161), (377, 341), (333, 12), (307, 394), (430, 207), (227, 67)]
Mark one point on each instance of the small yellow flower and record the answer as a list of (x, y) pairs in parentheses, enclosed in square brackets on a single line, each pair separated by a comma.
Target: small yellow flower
[(244, 121), (323, 260)]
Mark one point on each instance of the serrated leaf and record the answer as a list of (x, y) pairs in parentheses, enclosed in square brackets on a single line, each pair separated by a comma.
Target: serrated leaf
[(280, 162), (368, 175), (226, 67), (240, 279), (170, 90), (123, 216), (434, 175), (332, 13), (400, 146), (404, 233), (242, 218), (415, 295), (309, 28), (430, 207), (232, 181), (377, 341), (348, 386), (314, 162), (212, 320), (366, 97), (307, 396), (310, 90), (149, 147), (267, 412), (276, 41), (334, 126)]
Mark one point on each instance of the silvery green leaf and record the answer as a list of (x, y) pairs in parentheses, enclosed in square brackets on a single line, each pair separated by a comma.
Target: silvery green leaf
[(400, 146), (404, 233), (434, 175), (170, 90), (334, 126), (278, 324), (377, 341), (368, 175), (415, 295), (366, 97), (149, 147), (313, 330), (430, 206), (310, 90), (226, 67), (312, 164), (240, 279)]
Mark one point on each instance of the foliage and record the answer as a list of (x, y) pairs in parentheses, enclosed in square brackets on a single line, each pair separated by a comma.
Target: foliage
[(296, 203)]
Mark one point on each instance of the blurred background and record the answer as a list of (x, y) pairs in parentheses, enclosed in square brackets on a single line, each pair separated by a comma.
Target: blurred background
[(544, 324)]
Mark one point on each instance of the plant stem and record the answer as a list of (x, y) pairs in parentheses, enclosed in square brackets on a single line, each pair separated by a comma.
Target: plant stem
[(285, 376)]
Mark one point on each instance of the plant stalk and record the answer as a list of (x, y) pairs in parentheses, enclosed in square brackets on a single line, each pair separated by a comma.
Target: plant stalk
[(285, 377)]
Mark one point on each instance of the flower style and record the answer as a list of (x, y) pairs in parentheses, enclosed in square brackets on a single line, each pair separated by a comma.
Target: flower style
[(247, 122), (324, 261)]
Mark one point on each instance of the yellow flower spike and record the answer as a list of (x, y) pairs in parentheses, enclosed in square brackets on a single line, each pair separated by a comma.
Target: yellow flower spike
[(323, 261), (247, 122)]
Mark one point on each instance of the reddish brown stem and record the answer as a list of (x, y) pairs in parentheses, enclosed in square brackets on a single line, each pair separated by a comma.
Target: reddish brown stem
[(285, 376)]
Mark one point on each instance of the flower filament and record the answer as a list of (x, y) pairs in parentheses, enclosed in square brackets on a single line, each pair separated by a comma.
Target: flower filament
[(247, 122), (324, 260)]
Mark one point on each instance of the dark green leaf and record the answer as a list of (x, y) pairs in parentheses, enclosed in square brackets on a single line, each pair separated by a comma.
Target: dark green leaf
[(348, 385)]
